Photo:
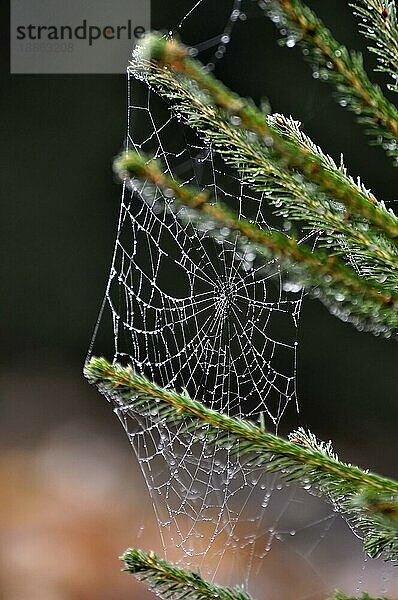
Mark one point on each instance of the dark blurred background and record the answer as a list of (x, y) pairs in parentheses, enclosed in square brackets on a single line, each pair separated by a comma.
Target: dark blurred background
[(70, 499)]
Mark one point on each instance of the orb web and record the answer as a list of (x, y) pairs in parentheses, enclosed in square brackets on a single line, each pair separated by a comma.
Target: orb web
[(193, 308), (198, 313)]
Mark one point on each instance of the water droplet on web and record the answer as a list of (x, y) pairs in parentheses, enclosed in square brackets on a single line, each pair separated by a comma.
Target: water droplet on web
[(287, 225), (168, 193), (290, 41), (235, 120), (268, 141)]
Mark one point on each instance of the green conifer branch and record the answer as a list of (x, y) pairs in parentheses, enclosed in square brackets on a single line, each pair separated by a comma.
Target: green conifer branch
[(374, 254), (301, 459), (170, 63), (340, 596), (378, 22), (168, 580), (363, 302), (332, 62)]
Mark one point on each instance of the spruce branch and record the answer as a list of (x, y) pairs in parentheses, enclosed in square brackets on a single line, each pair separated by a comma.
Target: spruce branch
[(365, 303), (332, 62), (167, 66), (378, 22), (300, 459), (169, 581), (340, 596), (374, 254)]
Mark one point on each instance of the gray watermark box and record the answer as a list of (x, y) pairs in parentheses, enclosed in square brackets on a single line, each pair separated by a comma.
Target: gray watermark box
[(76, 36)]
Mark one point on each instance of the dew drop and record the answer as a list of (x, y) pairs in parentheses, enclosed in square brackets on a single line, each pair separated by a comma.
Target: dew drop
[(235, 120), (168, 193), (268, 141), (291, 41)]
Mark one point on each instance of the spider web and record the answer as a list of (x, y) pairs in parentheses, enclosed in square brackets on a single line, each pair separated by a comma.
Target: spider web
[(194, 308)]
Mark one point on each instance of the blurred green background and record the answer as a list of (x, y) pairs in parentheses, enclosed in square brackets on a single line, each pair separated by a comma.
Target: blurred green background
[(69, 478)]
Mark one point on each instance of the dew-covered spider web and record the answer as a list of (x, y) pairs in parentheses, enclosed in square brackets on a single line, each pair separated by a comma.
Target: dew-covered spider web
[(194, 308)]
